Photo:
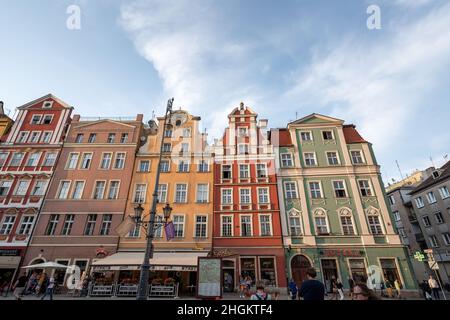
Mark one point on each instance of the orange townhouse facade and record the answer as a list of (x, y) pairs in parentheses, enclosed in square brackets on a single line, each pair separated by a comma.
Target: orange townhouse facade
[(247, 227), (88, 194)]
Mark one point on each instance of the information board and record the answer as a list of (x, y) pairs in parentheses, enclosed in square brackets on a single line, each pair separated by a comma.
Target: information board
[(209, 278)]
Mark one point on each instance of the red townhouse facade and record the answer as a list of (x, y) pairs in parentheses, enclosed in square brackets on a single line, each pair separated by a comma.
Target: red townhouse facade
[(247, 226), (28, 157)]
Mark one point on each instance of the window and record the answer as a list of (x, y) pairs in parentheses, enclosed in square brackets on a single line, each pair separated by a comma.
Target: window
[(47, 136), (106, 224), (120, 160), (52, 223), (47, 104), (397, 216), (72, 161), (167, 133), (290, 190), (33, 159), (63, 190), (26, 225), (79, 138), (144, 166), (92, 137), (200, 226), (364, 188), (339, 189), (431, 197), (261, 170), (227, 196), (267, 271), (391, 200), (202, 193), (22, 188), (50, 159), (439, 218), (86, 160), (135, 232), (444, 192), (124, 138), (375, 224), (139, 193), (178, 224), (186, 132), (245, 196), (433, 241), (347, 226), (426, 221), (162, 193), (203, 166), (99, 190), (226, 226), (39, 188), (106, 161), (113, 190), (183, 166), (7, 225), (47, 119), (327, 135), (332, 158), (16, 159), (244, 171), (90, 225), (3, 156), (314, 188), (165, 166), (158, 233), (167, 147), (248, 268), (310, 158), (321, 225), (226, 172), (263, 195), (36, 119), (419, 202), (242, 131), (68, 224), (23, 136), (286, 160), (78, 190), (356, 157), (111, 138), (243, 148), (306, 136), (5, 185), (295, 226), (185, 147), (35, 135), (181, 193), (446, 237), (246, 226), (265, 224)]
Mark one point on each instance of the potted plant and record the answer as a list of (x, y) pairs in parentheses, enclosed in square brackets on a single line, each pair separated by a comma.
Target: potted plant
[(156, 282), (169, 282)]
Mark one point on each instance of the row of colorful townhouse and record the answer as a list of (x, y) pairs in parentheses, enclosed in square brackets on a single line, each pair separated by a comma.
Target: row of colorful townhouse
[(271, 202)]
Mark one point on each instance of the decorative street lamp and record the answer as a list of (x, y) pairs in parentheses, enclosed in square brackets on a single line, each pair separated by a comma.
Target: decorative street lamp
[(151, 225)]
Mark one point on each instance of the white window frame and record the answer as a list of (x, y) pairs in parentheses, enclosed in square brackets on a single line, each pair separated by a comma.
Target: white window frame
[(16, 189), (446, 237), (46, 136), (261, 215), (140, 165), (94, 190), (47, 156), (222, 196), (251, 225), (20, 161), (222, 224), (320, 189), (289, 160), (231, 171), (72, 194), (444, 194), (247, 147), (369, 187), (361, 154), (337, 158), (117, 193), (205, 224), (327, 130), (82, 160), (36, 135), (39, 116), (249, 196), (314, 157), (164, 192), (299, 226), (267, 195), (27, 225), (100, 165), (43, 188), (144, 192), (123, 160), (7, 227), (197, 193), (177, 223), (310, 135), (77, 154), (286, 191), (22, 137), (434, 243), (36, 161), (419, 202), (264, 166), (244, 165), (345, 188), (185, 192)]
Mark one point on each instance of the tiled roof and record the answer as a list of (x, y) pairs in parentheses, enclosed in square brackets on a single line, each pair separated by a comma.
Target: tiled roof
[(430, 181), (352, 135)]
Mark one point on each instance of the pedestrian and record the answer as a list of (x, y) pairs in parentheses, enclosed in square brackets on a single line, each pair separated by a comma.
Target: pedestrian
[(49, 289), (351, 284), (388, 286), (362, 292), (312, 289), (19, 286), (293, 289), (31, 283), (333, 288), (434, 286), (340, 289), (426, 290), (398, 288), (260, 294), (242, 287)]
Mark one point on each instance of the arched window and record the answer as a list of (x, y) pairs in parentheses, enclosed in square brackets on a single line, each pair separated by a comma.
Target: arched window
[(295, 223), (374, 221), (321, 221), (346, 220)]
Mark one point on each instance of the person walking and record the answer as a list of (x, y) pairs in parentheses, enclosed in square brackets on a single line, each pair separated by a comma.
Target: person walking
[(49, 289), (293, 290), (388, 286), (312, 289), (351, 285), (426, 290), (398, 288), (434, 286), (362, 292), (19, 286), (340, 289), (260, 294), (242, 286)]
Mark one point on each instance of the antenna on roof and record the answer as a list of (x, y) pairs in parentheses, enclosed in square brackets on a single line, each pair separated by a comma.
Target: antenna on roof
[(296, 115), (399, 170), (153, 114), (432, 162)]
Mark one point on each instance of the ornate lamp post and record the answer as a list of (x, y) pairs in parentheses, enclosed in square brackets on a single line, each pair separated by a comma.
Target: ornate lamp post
[(151, 225)]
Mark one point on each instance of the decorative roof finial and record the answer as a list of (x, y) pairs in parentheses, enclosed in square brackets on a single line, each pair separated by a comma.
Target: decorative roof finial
[(242, 105)]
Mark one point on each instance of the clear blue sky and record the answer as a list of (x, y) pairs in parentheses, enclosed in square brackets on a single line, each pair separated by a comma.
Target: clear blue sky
[(279, 57)]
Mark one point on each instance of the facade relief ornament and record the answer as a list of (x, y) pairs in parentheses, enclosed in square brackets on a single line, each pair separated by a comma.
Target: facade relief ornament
[(372, 211)]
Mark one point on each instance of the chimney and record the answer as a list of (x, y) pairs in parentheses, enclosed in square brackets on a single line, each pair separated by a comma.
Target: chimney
[(1, 108), (139, 117), (262, 123), (76, 118)]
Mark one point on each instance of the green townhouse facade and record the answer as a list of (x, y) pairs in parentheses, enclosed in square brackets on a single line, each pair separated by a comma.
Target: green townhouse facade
[(333, 206)]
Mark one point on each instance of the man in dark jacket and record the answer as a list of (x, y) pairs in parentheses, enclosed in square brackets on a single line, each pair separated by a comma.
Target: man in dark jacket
[(312, 289)]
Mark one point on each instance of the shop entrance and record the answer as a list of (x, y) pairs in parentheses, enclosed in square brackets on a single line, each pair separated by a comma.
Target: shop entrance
[(358, 270), (330, 273), (299, 266), (6, 276), (390, 271), (228, 276)]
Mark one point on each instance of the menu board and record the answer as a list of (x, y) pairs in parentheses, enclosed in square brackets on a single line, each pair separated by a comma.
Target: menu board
[(209, 278)]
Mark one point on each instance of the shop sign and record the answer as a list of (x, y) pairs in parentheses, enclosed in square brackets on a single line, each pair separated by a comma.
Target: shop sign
[(173, 268), (9, 252), (342, 253)]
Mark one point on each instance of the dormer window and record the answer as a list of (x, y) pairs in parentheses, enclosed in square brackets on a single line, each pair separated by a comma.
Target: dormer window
[(435, 174), (47, 104)]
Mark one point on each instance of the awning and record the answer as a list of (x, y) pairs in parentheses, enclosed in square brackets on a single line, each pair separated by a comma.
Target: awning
[(9, 262), (168, 261)]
